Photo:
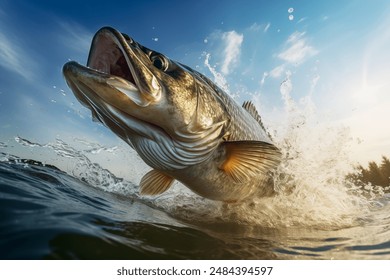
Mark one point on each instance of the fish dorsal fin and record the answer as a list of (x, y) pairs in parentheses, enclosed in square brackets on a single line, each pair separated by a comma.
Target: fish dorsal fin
[(246, 159), (155, 182), (251, 109)]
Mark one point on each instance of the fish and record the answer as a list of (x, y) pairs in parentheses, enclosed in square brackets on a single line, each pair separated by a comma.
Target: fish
[(179, 122)]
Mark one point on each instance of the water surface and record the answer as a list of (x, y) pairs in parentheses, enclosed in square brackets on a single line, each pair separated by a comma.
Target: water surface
[(46, 213)]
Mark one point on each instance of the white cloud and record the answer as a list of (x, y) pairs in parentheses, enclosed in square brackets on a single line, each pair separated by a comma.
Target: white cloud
[(277, 71), (297, 49), (14, 58), (233, 41), (75, 36)]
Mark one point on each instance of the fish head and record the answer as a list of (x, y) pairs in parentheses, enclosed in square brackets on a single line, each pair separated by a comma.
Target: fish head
[(166, 111)]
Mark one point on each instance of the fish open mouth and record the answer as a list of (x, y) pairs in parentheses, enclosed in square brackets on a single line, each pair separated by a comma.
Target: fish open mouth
[(113, 63), (116, 84), (107, 55)]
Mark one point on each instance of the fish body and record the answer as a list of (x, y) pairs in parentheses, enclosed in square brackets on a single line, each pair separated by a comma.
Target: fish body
[(178, 121)]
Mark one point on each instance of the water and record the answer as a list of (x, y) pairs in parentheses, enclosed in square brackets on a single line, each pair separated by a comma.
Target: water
[(88, 212), (48, 214)]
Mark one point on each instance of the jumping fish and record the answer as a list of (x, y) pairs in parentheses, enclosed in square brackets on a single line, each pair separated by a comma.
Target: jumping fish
[(178, 121)]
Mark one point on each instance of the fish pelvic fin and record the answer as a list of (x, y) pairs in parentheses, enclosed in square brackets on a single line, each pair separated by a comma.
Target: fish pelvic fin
[(155, 182), (246, 159)]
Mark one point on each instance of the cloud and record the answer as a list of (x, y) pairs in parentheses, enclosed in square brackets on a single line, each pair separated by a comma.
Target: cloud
[(297, 49), (277, 71), (75, 36), (233, 41), (14, 58)]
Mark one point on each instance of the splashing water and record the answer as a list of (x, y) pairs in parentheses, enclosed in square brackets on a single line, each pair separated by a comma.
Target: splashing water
[(310, 182), (291, 16), (311, 178), (219, 78), (311, 185), (83, 168)]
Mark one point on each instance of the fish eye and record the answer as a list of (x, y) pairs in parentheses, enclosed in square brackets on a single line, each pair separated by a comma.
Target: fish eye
[(159, 62)]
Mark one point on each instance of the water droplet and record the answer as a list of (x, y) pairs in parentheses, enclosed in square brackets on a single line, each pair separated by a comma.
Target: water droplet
[(291, 17), (290, 10), (155, 39), (205, 41), (54, 101)]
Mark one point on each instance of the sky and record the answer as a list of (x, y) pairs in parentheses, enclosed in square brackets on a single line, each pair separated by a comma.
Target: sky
[(336, 53)]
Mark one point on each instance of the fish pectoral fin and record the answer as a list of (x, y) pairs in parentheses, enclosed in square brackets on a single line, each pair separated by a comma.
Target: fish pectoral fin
[(155, 182), (245, 159)]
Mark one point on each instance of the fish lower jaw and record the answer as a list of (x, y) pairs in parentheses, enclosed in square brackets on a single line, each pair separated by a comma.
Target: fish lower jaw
[(129, 89)]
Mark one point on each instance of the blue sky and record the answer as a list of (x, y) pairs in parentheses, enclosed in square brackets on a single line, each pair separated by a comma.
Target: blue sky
[(335, 52)]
